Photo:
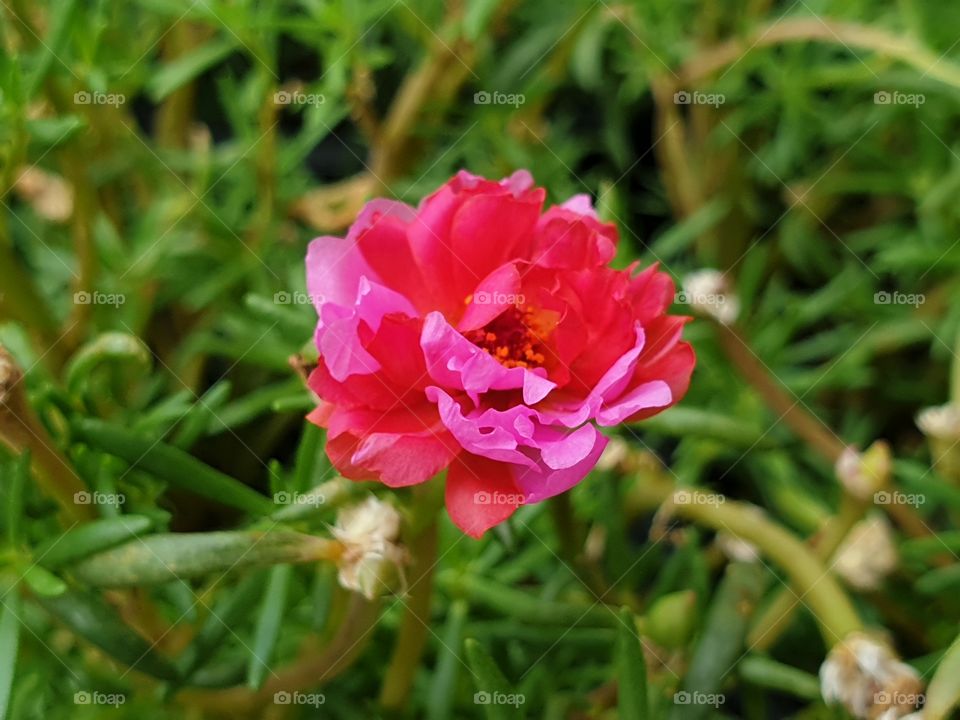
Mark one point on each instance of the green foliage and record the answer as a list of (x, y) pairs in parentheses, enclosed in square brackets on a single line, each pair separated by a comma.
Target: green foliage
[(152, 290)]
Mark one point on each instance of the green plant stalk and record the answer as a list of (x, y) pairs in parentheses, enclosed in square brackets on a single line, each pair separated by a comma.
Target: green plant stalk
[(955, 373), (421, 537), (20, 430), (170, 556), (850, 35), (820, 591), (943, 693), (776, 618)]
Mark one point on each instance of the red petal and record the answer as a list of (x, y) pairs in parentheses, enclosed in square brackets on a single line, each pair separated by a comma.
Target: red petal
[(480, 493)]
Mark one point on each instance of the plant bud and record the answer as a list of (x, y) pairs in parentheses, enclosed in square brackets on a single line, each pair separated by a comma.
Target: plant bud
[(867, 555), (941, 425), (868, 679), (371, 557)]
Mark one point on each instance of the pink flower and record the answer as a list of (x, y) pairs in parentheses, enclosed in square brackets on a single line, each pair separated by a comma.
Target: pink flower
[(479, 334)]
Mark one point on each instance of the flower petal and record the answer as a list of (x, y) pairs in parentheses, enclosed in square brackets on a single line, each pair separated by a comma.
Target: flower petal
[(480, 493)]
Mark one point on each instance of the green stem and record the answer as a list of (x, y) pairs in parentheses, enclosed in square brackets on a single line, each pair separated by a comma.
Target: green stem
[(774, 621), (422, 540), (943, 693), (169, 556), (851, 35), (818, 589), (955, 373)]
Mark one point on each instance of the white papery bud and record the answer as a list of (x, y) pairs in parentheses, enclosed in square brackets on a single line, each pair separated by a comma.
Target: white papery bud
[(941, 425), (863, 474), (737, 549), (868, 554), (942, 422), (372, 556), (708, 293), (867, 678)]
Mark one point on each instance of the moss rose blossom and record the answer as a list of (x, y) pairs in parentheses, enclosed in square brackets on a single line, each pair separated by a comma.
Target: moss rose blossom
[(480, 334)]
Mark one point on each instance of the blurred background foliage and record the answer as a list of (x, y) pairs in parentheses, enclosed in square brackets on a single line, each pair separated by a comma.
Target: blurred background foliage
[(157, 197)]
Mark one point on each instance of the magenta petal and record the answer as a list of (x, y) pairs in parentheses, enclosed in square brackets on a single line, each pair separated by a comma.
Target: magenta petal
[(337, 335), (581, 204), (561, 450), (613, 382), (490, 434), (496, 292), (334, 269), (655, 394), (542, 482)]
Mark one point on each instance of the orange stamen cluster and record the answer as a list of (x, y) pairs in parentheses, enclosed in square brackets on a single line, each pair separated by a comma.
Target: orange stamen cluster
[(511, 338)]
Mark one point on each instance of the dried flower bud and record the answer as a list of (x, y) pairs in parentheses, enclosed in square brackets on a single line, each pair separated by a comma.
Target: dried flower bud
[(867, 555), (708, 293), (941, 425), (737, 549), (940, 422), (614, 455), (50, 195), (371, 556), (863, 474), (868, 679)]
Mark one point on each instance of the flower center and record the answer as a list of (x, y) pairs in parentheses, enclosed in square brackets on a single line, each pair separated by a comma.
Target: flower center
[(513, 338)]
